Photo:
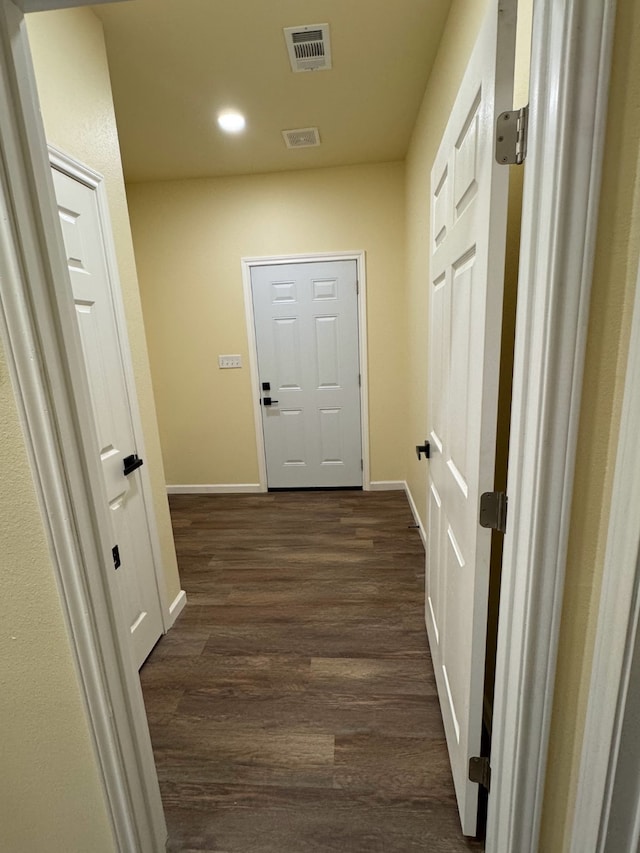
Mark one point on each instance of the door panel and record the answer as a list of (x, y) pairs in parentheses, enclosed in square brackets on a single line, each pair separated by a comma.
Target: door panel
[(99, 333), (306, 321), (468, 233)]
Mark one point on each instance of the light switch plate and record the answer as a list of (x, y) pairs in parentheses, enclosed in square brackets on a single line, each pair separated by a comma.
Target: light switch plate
[(226, 361)]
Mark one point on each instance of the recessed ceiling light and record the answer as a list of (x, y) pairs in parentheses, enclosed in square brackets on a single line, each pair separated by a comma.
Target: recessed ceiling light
[(231, 121)]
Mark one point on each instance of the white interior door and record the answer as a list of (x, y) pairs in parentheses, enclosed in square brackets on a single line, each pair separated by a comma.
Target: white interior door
[(306, 322), (468, 229), (94, 296)]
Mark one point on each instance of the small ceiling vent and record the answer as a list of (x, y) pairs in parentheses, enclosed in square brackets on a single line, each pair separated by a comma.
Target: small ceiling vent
[(304, 137), (309, 47)]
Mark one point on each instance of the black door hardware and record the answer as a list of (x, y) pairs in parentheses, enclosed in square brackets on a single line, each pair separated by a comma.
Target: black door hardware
[(266, 386), (131, 463), (267, 401), (423, 448), (115, 551)]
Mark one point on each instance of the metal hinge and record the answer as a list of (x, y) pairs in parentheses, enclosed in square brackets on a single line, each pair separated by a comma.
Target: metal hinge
[(362, 464), (357, 287), (359, 380), (511, 136), (480, 771), (493, 511), (115, 552)]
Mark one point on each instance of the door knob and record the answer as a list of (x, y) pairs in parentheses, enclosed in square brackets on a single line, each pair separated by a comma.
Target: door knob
[(423, 448), (267, 401), (132, 463)]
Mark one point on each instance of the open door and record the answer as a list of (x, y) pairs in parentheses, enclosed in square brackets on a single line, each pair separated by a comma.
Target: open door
[(467, 252), (106, 361)]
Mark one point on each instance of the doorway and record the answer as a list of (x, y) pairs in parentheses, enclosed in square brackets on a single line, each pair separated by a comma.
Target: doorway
[(515, 616)]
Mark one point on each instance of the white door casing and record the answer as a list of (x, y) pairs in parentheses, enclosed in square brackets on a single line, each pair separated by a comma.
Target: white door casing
[(607, 814), (468, 234), (94, 297), (306, 327)]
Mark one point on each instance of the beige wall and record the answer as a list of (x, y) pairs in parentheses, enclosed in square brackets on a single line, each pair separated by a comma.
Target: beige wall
[(50, 789), (77, 107), (189, 239), (614, 282)]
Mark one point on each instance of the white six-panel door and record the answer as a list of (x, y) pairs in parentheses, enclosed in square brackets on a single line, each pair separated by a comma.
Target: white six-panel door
[(468, 229), (306, 324), (84, 243)]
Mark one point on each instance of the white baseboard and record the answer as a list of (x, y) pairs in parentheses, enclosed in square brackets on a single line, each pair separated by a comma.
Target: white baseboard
[(216, 489), (176, 607), (414, 510), (387, 485)]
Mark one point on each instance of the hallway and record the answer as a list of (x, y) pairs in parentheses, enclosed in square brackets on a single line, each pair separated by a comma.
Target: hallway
[(293, 707)]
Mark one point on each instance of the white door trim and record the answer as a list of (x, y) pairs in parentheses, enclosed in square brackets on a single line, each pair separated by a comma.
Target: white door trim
[(43, 351), (571, 58), (617, 622), (361, 272), (94, 180)]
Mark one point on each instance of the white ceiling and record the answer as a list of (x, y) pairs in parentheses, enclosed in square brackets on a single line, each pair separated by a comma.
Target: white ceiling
[(176, 63)]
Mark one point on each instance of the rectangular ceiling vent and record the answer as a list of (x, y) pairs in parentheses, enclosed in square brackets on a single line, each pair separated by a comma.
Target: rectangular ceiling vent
[(304, 137), (309, 47)]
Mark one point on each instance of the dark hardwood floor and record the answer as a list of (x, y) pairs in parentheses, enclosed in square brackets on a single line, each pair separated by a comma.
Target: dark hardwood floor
[(293, 706)]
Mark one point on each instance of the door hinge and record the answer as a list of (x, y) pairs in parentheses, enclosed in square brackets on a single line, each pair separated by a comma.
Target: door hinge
[(362, 465), (357, 287), (493, 511), (480, 771), (359, 380), (115, 551), (511, 136)]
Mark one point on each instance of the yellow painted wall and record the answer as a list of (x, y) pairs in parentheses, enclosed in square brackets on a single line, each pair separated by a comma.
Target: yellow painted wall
[(189, 239), (616, 265), (77, 107), (50, 789)]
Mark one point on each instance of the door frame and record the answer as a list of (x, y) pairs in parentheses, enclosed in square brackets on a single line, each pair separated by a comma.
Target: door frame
[(44, 357), (570, 67), (73, 168), (618, 622), (361, 273), (571, 59)]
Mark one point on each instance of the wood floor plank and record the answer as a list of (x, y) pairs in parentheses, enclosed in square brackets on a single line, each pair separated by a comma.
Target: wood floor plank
[(242, 819), (293, 706)]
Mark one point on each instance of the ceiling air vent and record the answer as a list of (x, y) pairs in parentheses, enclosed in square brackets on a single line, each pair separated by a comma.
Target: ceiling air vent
[(309, 47), (304, 137)]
